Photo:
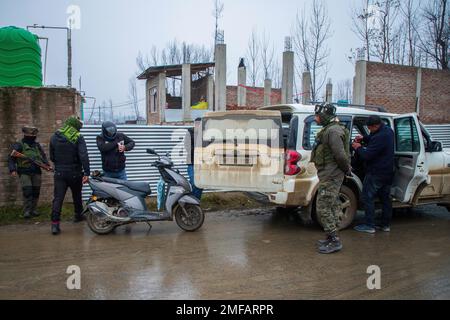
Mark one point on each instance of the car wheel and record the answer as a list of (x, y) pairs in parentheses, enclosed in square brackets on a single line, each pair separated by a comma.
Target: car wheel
[(349, 206)]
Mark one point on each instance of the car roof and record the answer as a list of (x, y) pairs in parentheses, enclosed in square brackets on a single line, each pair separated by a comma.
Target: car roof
[(342, 110)]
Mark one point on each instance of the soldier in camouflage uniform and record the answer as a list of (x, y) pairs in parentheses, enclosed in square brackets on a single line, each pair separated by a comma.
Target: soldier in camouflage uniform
[(331, 156), (28, 172)]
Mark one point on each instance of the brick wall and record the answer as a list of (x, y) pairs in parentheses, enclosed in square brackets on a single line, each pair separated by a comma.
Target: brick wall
[(394, 87), (45, 108), (254, 98)]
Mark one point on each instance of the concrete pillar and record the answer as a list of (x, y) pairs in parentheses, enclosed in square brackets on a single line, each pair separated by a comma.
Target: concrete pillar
[(306, 87), (242, 82), (267, 92), (210, 93), (359, 88), (418, 89), (329, 92), (287, 84), (220, 102), (186, 91), (147, 100), (162, 96)]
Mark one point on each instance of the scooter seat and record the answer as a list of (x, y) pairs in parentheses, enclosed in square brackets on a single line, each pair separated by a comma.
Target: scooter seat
[(133, 185)]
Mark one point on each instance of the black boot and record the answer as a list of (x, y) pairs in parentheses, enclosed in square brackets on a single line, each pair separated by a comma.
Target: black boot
[(78, 218), (34, 212), (324, 241), (331, 246), (27, 207), (55, 228)]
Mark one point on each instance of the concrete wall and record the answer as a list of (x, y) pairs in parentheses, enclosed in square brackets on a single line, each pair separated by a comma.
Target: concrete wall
[(254, 98), (45, 108), (397, 88), (159, 83)]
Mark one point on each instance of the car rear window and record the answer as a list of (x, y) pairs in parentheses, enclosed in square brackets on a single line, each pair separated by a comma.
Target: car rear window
[(243, 129), (311, 128)]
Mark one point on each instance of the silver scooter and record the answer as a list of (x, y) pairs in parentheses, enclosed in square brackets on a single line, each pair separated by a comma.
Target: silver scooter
[(117, 202)]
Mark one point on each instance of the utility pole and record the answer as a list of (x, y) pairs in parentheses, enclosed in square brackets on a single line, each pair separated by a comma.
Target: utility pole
[(69, 48)]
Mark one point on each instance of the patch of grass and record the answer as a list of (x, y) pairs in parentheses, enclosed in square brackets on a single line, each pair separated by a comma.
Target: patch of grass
[(210, 202), (227, 200), (14, 214)]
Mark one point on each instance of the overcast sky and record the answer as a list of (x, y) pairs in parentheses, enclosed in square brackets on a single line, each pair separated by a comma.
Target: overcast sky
[(113, 32)]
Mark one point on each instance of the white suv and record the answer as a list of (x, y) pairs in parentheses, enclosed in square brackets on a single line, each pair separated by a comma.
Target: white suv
[(277, 162)]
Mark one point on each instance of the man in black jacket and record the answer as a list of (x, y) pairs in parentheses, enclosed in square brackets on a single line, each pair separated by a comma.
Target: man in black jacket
[(112, 146), (29, 173), (69, 154), (378, 157)]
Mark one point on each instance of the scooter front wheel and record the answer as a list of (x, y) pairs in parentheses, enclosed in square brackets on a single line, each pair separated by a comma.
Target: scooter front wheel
[(99, 225), (190, 218)]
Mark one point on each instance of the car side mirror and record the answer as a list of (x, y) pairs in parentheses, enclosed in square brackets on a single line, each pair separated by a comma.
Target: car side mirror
[(435, 146), (151, 151)]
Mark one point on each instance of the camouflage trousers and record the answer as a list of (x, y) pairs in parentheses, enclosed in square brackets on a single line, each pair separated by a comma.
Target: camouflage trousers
[(328, 204), (31, 189)]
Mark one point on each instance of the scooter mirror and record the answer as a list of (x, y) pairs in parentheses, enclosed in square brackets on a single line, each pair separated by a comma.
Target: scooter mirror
[(151, 151)]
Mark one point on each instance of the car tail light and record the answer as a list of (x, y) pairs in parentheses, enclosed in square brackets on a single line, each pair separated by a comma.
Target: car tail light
[(292, 157)]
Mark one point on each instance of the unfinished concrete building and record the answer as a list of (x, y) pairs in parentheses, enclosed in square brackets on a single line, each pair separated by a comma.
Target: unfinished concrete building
[(196, 86)]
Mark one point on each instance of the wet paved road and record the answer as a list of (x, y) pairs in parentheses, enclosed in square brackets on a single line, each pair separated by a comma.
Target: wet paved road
[(253, 254)]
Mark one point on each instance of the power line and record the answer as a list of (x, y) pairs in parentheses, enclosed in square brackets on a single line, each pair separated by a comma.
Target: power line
[(121, 105)]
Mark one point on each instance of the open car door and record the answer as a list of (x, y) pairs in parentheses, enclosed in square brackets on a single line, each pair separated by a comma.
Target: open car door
[(410, 166), (241, 151)]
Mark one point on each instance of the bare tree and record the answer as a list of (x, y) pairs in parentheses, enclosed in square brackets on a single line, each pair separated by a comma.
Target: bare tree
[(360, 25), (164, 59), (217, 14), (193, 53), (174, 57), (155, 56), (344, 90), (202, 54), (187, 52), (133, 96), (267, 56), (310, 44), (387, 11), (434, 37), (253, 50), (409, 23), (140, 62), (276, 74)]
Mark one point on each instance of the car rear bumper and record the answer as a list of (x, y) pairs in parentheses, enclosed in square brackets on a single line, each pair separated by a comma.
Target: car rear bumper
[(296, 192)]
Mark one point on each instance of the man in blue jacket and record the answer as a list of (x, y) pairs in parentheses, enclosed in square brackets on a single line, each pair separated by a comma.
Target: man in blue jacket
[(378, 157)]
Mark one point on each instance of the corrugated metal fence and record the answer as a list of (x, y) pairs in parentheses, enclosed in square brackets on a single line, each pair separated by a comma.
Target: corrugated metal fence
[(168, 139), (440, 132), (161, 138)]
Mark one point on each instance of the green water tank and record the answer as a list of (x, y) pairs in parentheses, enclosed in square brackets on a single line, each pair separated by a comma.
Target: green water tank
[(20, 58)]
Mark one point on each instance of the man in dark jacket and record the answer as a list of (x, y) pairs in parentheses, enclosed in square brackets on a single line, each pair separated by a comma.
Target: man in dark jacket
[(378, 157), (69, 154), (29, 173), (112, 146)]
